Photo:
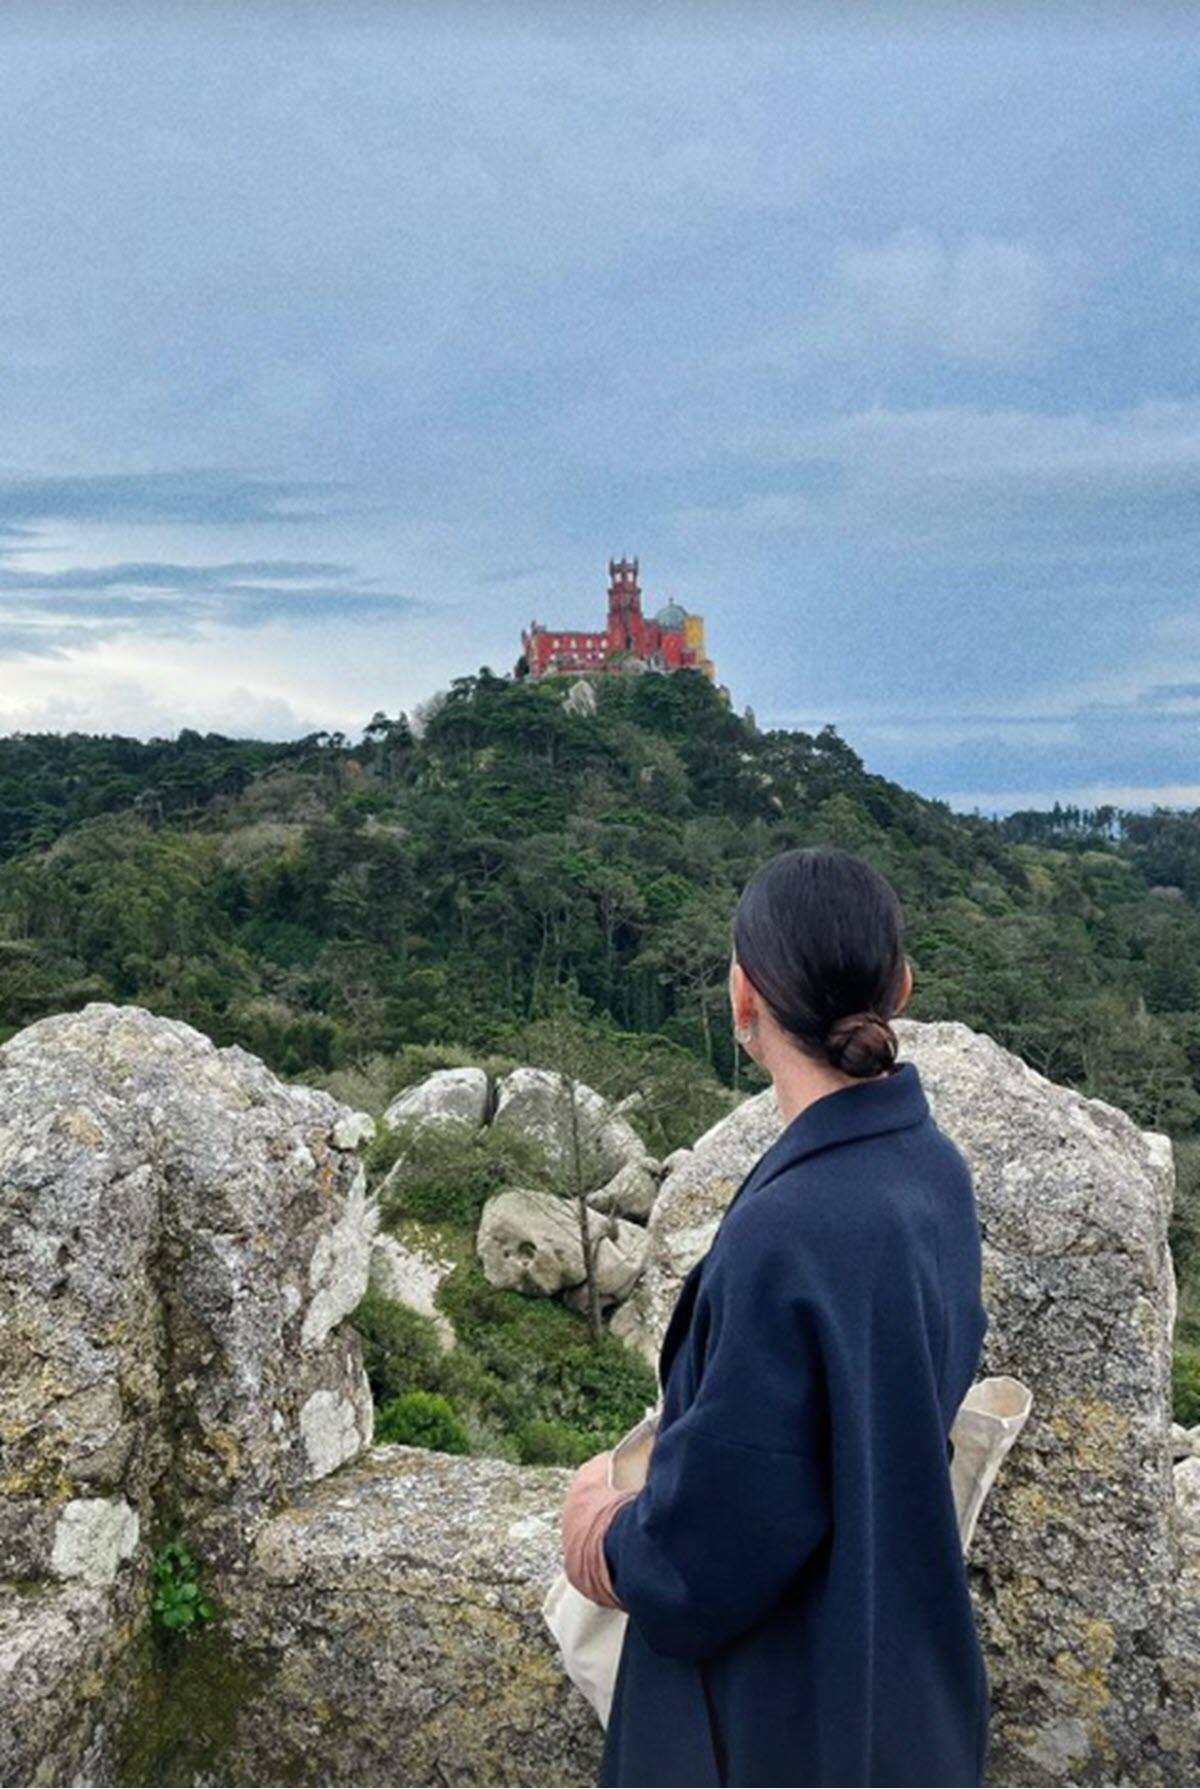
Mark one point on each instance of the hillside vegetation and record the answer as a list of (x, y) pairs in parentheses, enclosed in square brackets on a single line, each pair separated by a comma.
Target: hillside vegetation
[(356, 915)]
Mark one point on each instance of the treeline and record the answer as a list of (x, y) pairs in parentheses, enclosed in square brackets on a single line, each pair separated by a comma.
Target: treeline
[(51, 781)]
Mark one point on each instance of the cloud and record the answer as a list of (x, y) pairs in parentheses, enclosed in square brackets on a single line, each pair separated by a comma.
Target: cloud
[(154, 576), (198, 494), (1162, 693), (51, 612), (276, 681), (983, 299), (984, 756), (962, 485), (136, 709)]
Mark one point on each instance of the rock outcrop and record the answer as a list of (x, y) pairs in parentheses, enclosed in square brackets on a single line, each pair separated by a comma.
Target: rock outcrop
[(531, 1242), (181, 1237), (542, 1105), (631, 1192), (448, 1096)]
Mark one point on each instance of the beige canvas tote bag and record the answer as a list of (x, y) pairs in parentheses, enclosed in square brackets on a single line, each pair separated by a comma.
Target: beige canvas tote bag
[(590, 1636)]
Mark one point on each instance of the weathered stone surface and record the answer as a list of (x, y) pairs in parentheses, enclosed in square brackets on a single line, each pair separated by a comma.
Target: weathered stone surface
[(79, 1316), (65, 1680), (409, 1272), (1184, 1442), (1187, 1509), (1177, 1727), (92, 1535), (580, 698), (530, 1242), (448, 1096), (352, 1130), (631, 1192), (399, 1604), (180, 1237), (537, 1103)]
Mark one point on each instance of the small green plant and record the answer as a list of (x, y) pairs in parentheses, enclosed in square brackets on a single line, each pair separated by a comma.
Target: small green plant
[(178, 1601), (422, 1419)]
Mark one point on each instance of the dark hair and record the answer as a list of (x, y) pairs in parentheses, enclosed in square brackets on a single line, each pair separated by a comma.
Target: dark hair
[(820, 933)]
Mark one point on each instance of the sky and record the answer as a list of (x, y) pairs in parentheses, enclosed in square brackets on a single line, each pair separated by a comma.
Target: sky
[(339, 342)]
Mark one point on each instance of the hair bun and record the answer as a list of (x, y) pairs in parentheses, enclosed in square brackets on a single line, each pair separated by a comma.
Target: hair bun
[(861, 1043)]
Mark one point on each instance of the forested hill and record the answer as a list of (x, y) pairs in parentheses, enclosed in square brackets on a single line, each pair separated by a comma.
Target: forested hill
[(321, 903)]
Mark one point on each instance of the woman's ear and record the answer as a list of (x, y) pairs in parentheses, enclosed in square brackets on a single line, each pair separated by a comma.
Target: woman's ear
[(906, 988), (741, 996), (744, 1008)]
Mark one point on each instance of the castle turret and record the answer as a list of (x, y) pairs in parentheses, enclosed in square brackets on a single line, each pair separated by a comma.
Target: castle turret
[(625, 621)]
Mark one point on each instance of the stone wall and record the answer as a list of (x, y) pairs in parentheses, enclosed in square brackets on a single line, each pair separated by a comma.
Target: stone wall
[(180, 1235)]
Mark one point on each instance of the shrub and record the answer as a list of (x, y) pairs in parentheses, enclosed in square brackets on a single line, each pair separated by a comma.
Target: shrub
[(422, 1419), (450, 1171), (553, 1444), (401, 1351), (1185, 1385), (535, 1362)]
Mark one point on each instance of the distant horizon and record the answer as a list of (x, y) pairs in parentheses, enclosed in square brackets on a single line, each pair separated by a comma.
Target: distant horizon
[(1179, 798)]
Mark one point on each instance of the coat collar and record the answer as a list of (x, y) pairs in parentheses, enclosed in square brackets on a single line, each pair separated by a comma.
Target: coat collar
[(889, 1102), (871, 1108)]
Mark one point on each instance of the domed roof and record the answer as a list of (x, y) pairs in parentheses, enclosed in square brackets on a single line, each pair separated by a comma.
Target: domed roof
[(672, 617)]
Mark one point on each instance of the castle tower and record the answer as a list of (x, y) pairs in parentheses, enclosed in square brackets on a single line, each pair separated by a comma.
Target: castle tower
[(626, 625)]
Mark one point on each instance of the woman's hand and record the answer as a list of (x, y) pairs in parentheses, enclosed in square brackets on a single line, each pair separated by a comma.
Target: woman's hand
[(589, 1506)]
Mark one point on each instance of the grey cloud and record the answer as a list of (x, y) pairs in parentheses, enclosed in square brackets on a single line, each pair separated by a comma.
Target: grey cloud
[(1170, 692), (962, 486), (1146, 740), (46, 612), (195, 495), (26, 640), (155, 576), (983, 298)]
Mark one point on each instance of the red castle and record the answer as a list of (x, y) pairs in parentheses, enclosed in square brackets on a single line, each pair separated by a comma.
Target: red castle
[(672, 641)]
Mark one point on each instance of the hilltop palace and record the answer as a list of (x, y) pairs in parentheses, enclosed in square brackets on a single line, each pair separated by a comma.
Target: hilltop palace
[(672, 641)]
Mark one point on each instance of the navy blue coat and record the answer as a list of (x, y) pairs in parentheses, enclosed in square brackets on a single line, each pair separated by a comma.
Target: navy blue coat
[(798, 1602)]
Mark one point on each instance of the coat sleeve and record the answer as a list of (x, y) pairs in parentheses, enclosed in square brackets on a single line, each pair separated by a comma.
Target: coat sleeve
[(737, 1496)]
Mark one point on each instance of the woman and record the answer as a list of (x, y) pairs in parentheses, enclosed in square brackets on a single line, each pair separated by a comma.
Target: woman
[(797, 1597)]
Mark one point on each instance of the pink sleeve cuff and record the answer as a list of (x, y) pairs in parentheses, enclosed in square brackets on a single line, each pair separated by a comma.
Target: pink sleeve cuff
[(590, 1505)]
